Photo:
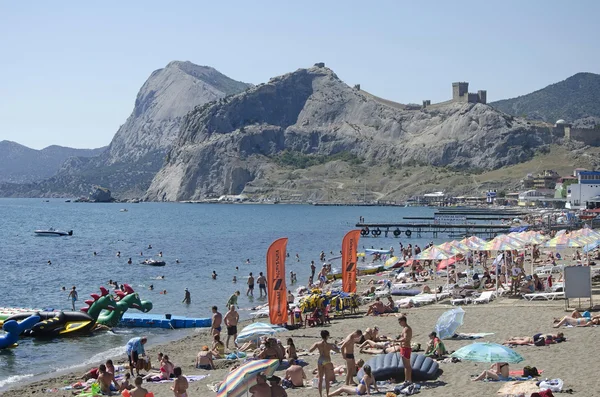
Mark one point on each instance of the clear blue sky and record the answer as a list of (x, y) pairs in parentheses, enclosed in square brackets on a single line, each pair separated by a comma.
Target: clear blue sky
[(70, 70)]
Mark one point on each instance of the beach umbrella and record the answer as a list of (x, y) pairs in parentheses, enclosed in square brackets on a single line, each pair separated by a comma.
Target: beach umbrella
[(433, 253), (503, 243), (449, 322), (454, 247), (237, 382), (488, 353), (255, 331), (445, 263)]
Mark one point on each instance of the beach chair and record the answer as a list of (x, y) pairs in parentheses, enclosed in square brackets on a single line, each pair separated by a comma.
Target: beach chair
[(549, 296), (485, 297), (460, 301)]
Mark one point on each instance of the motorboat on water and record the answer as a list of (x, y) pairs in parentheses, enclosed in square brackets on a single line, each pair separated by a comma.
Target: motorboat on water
[(152, 262), (53, 232)]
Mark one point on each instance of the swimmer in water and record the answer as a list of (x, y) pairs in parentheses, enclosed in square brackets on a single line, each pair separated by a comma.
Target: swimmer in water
[(149, 246), (160, 254), (164, 292), (95, 253), (64, 288), (129, 261), (118, 254), (237, 268), (234, 280), (49, 262), (141, 253), (248, 261), (151, 287), (176, 260), (214, 275)]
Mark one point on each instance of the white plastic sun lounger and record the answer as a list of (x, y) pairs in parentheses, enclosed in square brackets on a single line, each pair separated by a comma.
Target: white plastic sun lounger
[(485, 297), (549, 296)]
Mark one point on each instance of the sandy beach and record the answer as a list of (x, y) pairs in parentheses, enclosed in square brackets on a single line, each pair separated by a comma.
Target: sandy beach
[(573, 361)]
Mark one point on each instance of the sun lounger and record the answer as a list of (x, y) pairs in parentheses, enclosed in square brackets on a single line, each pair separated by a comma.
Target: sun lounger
[(549, 296), (461, 301), (485, 297)]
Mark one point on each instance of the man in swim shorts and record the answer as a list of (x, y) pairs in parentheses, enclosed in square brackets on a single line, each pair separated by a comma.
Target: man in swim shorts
[(73, 295), (250, 291), (405, 349), (262, 284), (231, 321), (347, 350), (217, 319), (105, 380)]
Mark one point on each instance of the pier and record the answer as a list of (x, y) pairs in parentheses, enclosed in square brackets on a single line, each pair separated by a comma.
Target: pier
[(419, 229)]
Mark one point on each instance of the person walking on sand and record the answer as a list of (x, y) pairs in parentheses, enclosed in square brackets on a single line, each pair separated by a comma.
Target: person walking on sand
[(347, 350), (250, 291), (262, 284), (405, 349), (188, 297), (217, 319), (231, 321), (74, 296)]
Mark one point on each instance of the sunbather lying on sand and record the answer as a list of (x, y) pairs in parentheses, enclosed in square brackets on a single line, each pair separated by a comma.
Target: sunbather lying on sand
[(526, 340), (391, 348), (498, 371), (577, 322)]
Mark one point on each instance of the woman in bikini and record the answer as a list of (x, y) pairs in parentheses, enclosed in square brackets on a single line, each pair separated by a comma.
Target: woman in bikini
[(180, 385), (324, 364), (498, 371), (363, 387)]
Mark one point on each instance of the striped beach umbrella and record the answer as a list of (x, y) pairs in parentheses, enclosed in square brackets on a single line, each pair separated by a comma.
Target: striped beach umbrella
[(454, 247), (502, 244), (474, 243), (434, 253), (566, 241), (255, 331), (488, 353), (237, 382)]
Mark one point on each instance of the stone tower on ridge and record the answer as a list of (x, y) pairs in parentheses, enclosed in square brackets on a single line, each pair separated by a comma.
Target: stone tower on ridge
[(460, 93)]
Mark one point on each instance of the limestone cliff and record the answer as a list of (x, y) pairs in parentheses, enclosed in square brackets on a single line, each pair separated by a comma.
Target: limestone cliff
[(222, 147), (138, 149)]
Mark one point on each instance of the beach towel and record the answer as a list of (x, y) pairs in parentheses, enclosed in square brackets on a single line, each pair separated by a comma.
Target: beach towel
[(519, 372), (190, 378), (517, 388), (474, 335)]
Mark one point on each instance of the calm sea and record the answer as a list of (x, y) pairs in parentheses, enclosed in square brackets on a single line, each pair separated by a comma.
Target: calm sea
[(204, 237)]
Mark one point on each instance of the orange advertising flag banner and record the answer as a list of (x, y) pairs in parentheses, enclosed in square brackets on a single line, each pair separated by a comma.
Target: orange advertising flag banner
[(276, 282), (349, 247)]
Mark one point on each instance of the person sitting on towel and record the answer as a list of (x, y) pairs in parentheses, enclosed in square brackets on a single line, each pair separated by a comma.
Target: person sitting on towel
[(435, 347), (498, 371)]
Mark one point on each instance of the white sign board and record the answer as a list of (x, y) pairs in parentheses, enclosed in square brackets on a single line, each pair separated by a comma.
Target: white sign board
[(578, 282), (449, 220)]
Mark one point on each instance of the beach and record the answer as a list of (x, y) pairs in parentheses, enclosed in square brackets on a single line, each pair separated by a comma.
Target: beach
[(574, 361)]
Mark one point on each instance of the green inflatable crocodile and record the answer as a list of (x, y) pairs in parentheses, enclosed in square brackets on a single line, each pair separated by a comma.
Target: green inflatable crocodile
[(126, 301)]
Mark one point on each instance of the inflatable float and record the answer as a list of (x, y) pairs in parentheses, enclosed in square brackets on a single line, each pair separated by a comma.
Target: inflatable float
[(103, 309), (14, 329), (390, 366)]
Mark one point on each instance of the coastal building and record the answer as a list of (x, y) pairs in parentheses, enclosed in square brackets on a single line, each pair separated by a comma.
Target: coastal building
[(546, 179), (586, 192)]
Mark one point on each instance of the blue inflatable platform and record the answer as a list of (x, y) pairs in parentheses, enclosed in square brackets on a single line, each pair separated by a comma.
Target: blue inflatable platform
[(146, 320)]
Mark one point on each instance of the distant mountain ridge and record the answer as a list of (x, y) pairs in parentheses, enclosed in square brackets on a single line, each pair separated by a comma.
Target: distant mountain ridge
[(310, 115), (138, 149), (21, 164), (575, 100)]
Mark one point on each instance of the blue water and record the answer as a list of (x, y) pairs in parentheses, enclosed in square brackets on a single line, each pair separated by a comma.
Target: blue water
[(203, 237)]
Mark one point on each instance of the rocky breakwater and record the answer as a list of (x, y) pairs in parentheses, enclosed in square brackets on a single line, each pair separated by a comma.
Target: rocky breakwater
[(223, 146)]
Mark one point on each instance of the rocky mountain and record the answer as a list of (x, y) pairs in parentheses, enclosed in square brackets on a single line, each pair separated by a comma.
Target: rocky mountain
[(572, 100), (311, 117), (21, 164), (138, 149)]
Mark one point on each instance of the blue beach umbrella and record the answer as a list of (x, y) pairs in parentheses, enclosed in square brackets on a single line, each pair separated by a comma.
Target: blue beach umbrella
[(239, 381), (255, 331), (449, 322), (488, 353)]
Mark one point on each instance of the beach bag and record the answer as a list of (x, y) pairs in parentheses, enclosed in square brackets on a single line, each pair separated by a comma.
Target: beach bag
[(531, 371), (552, 385)]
